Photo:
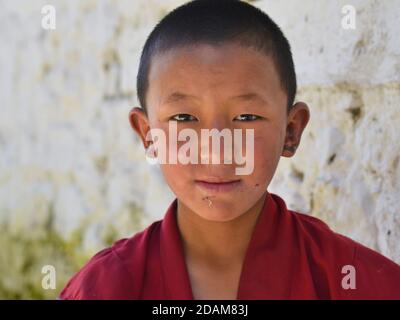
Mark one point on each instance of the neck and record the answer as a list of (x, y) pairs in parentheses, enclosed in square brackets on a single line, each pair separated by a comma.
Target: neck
[(215, 243)]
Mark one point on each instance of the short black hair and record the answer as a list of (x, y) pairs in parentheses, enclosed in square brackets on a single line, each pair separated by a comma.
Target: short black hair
[(218, 22)]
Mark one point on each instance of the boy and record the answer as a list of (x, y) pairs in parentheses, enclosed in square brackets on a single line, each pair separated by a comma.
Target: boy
[(226, 65)]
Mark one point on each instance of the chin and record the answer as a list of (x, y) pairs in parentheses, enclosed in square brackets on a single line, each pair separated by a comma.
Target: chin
[(218, 217), (217, 213)]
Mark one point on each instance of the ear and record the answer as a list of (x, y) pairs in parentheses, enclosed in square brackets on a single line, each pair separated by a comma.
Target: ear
[(298, 118), (140, 123)]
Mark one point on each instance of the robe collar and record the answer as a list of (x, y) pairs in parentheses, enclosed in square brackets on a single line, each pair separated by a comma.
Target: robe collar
[(268, 264)]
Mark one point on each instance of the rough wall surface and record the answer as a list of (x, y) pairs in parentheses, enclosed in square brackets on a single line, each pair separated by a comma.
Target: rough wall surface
[(73, 176)]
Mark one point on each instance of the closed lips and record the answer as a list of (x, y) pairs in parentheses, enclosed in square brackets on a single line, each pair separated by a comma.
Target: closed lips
[(220, 186), (217, 182)]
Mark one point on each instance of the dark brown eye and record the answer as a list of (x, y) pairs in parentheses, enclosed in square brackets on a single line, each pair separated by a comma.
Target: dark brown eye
[(247, 117), (183, 117)]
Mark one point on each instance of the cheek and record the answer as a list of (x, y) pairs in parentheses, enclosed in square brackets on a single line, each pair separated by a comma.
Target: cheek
[(177, 176), (266, 157)]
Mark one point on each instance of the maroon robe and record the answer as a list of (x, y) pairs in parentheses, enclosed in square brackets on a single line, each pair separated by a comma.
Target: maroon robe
[(290, 256)]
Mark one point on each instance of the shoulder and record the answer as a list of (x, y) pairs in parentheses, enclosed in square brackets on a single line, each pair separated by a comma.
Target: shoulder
[(377, 274), (114, 272), (336, 255)]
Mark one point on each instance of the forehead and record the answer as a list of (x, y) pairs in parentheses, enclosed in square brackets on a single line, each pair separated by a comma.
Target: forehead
[(212, 70)]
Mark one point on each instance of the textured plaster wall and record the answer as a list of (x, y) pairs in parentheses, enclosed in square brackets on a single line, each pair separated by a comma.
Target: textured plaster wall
[(73, 176), (347, 169)]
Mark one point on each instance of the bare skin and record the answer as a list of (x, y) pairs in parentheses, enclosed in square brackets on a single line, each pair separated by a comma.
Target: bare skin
[(215, 237)]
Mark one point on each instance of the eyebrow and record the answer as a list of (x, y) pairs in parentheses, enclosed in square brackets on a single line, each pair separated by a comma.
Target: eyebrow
[(178, 96), (249, 97)]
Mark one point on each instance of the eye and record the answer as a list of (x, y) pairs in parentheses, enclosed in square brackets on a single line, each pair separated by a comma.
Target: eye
[(247, 117), (183, 117)]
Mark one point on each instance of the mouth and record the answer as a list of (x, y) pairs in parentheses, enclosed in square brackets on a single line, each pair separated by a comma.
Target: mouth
[(218, 185)]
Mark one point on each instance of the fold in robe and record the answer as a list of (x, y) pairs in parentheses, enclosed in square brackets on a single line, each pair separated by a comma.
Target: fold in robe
[(290, 256)]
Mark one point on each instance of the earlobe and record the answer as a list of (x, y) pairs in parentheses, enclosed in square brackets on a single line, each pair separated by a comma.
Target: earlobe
[(288, 151), (140, 123)]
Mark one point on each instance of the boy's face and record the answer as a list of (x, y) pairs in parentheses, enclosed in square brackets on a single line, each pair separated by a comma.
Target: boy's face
[(225, 86)]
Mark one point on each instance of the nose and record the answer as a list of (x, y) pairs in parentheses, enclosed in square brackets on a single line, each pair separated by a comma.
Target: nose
[(216, 142)]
